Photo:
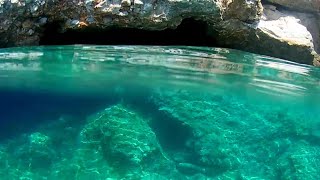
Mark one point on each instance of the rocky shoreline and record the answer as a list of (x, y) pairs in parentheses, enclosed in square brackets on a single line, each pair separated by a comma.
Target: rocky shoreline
[(280, 28)]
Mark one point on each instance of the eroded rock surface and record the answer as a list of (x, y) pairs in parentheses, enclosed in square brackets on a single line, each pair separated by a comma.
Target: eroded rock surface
[(302, 5), (294, 28), (240, 24), (284, 34)]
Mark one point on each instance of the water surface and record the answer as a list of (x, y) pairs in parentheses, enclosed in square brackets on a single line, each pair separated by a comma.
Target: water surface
[(142, 112)]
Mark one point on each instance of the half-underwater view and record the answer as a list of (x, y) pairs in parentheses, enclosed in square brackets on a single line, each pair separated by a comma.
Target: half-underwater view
[(159, 90)]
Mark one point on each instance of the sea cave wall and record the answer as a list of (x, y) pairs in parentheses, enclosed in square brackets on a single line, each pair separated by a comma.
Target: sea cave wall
[(280, 28)]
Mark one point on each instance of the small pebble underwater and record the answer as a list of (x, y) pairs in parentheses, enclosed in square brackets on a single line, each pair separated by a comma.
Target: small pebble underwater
[(147, 112)]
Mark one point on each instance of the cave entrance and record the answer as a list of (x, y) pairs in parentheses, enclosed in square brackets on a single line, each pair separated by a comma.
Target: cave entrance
[(190, 32)]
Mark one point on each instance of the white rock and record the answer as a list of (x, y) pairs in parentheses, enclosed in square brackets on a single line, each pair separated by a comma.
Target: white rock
[(138, 2), (285, 27), (14, 1)]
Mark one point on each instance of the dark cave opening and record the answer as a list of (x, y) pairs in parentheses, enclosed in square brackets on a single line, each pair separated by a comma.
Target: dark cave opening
[(190, 32)]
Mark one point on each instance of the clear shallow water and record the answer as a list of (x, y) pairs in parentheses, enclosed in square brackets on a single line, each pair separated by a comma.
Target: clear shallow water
[(139, 112)]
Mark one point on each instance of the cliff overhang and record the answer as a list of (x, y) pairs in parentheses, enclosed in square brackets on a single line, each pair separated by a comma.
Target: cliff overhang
[(274, 27)]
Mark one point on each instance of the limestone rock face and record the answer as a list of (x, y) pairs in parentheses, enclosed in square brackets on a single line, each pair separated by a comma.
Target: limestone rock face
[(240, 24), (294, 28), (21, 23), (302, 5), (246, 11), (284, 34)]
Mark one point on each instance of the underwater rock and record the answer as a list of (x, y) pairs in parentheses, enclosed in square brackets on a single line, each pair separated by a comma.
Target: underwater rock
[(233, 138), (237, 24), (212, 155), (127, 143), (188, 168), (300, 162), (37, 153)]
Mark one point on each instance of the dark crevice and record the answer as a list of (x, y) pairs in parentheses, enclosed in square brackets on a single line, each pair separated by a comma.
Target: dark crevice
[(172, 133), (175, 136), (190, 32)]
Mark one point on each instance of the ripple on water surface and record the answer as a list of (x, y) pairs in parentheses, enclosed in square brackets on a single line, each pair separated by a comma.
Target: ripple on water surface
[(142, 112)]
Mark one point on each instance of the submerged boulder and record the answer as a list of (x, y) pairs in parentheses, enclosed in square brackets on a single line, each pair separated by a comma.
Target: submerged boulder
[(233, 138), (38, 153), (127, 143), (239, 24)]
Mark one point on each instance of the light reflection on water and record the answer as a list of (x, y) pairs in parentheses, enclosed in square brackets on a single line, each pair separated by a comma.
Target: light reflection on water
[(263, 72)]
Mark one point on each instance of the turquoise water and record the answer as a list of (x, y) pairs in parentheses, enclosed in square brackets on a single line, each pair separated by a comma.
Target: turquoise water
[(140, 112)]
